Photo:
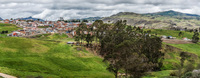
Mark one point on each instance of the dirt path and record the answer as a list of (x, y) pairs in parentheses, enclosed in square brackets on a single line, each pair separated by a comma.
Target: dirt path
[(176, 41), (6, 76), (69, 35)]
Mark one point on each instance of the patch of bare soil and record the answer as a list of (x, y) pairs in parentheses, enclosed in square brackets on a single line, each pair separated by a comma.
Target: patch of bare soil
[(176, 41), (6, 76)]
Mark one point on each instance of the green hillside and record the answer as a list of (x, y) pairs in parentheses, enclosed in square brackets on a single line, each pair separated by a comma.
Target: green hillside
[(23, 57), (160, 20), (172, 13), (192, 48), (172, 54), (173, 33), (172, 57), (49, 56), (7, 27)]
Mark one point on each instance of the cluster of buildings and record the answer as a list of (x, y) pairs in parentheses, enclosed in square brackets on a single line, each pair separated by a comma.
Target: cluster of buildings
[(30, 27)]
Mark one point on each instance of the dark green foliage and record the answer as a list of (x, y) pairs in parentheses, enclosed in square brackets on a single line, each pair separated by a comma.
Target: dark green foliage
[(180, 34), (183, 71), (198, 66), (4, 32), (80, 32), (195, 37), (174, 73), (89, 39), (187, 75), (151, 49), (129, 49), (84, 32), (190, 67), (84, 20)]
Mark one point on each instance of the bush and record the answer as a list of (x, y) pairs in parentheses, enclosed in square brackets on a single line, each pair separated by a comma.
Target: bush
[(187, 75), (189, 68), (195, 37), (59, 36), (198, 66), (174, 73)]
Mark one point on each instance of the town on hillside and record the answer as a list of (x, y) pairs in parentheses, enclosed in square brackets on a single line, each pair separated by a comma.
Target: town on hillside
[(32, 27)]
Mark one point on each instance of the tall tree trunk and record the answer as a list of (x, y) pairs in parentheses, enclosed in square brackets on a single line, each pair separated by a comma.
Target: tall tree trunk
[(116, 75), (126, 74), (126, 68), (96, 44)]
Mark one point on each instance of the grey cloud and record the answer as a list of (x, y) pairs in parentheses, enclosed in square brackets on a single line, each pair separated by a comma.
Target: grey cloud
[(53, 9)]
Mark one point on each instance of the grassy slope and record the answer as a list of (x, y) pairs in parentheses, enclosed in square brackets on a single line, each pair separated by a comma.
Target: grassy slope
[(8, 27), (169, 64), (164, 21), (159, 74), (192, 48), (29, 57), (171, 33), (172, 58)]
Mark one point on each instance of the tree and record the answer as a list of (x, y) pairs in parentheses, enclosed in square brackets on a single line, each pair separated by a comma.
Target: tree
[(129, 48), (180, 34), (185, 28), (195, 37), (89, 39), (85, 20), (109, 42), (151, 47), (138, 65), (80, 32), (98, 28)]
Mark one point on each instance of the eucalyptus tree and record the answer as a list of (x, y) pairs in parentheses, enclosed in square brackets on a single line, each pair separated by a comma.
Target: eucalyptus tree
[(129, 48)]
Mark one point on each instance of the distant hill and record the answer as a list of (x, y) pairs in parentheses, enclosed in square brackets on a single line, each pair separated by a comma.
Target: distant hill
[(31, 18), (92, 18), (1, 18), (172, 13), (158, 20), (89, 18)]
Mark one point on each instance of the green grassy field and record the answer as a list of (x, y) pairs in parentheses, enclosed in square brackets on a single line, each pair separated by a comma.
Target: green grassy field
[(172, 59), (7, 27), (50, 57), (173, 33), (192, 48), (23, 57), (159, 74)]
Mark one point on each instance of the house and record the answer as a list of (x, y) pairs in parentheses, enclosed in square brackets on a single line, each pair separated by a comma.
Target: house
[(7, 21)]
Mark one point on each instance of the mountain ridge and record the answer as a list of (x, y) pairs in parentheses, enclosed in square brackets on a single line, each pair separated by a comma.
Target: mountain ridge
[(31, 18), (157, 20), (1, 18), (172, 13)]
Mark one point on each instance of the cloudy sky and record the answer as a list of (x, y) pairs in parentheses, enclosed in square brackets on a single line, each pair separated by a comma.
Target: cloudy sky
[(69, 9)]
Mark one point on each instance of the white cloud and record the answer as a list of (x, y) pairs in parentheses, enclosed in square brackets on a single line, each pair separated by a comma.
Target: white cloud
[(53, 9)]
